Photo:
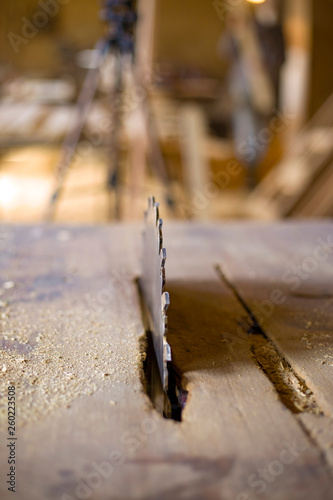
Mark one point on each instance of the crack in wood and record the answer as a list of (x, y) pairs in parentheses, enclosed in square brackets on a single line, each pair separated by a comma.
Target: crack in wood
[(291, 388), (234, 290), (322, 453)]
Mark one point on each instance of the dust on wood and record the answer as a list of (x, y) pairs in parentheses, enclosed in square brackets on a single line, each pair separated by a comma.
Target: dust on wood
[(291, 389)]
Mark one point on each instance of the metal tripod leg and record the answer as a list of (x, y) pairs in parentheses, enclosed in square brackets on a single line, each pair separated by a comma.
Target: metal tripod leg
[(71, 141), (114, 153)]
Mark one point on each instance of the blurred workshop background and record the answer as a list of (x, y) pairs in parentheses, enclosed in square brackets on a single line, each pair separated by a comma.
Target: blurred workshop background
[(225, 110)]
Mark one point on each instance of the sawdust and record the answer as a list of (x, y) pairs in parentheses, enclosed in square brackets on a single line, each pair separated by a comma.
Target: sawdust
[(54, 355), (291, 389)]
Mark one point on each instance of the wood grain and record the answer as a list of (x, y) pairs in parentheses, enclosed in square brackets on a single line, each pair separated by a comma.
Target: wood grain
[(286, 281), (74, 317)]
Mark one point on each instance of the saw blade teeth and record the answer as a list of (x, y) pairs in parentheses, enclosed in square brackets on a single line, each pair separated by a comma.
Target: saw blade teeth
[(156, 208), (163, 260), (160, 234), (153, 284), (163, 257), (167, 351), (163, 280), (165, 301), (165, 323)]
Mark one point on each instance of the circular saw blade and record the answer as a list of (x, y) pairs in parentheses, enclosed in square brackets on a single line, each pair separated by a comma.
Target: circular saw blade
[(153, 282)]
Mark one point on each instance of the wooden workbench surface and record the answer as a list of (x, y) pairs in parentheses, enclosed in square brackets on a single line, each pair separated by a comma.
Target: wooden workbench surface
[(251, 330)]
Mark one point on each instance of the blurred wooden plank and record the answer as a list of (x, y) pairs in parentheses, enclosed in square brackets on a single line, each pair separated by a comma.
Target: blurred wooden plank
[(21, 118), (192, 133), (317, 202), (282, 188), (145, 34), (28, 122)]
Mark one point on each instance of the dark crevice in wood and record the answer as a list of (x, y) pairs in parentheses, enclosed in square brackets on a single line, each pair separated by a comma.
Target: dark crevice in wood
[(322, 454), (167, 403), (234, 290), (291, 388)]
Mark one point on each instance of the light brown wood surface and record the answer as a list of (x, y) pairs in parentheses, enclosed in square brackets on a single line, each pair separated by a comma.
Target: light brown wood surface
[(72, 334)]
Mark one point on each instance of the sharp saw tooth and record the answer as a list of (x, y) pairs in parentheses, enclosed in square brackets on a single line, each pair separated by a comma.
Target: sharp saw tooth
[(165, 302), (153, 283), (163, 260)]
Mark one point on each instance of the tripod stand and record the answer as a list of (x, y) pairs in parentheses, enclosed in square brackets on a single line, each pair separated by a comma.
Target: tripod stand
[(121, 18)]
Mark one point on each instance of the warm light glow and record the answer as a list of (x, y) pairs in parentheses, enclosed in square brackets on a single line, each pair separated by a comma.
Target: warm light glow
[(8, 190), (19, 193), (256, 1)]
